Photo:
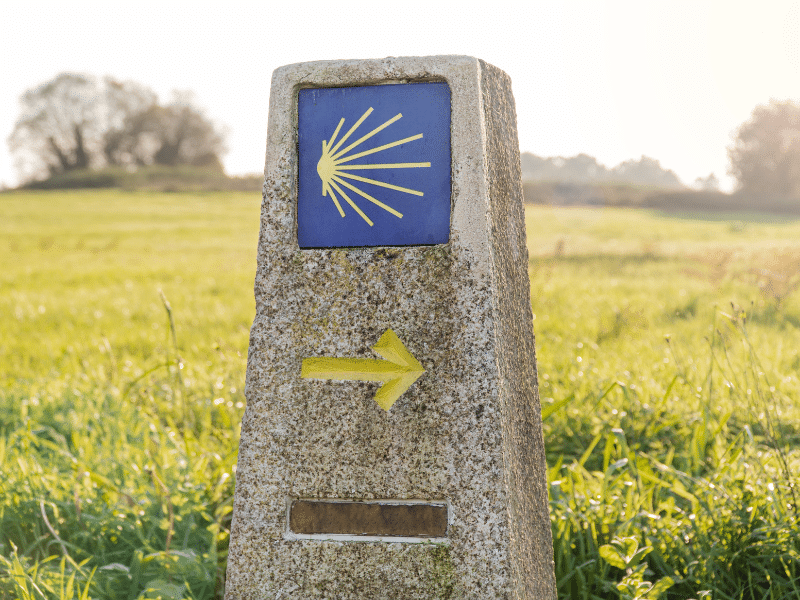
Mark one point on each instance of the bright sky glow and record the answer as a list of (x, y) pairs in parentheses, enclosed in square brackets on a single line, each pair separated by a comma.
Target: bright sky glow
[(615, 80)]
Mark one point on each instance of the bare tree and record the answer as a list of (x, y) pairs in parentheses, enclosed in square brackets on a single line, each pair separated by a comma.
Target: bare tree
[(180, 134), (77, 122), (124, 101), (765, 155), (58, 129)]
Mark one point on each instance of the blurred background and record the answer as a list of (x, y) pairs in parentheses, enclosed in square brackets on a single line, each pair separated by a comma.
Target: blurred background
[(605, 91)]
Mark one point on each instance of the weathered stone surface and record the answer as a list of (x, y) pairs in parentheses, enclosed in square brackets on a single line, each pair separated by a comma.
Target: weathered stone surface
[(468, 431)]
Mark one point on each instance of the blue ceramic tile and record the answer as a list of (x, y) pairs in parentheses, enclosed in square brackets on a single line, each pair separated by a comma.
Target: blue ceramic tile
[(374, 166)]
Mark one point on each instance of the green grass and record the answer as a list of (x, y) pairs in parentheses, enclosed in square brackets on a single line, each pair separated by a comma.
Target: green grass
[(668, 351), (120, 434), (668, 359)]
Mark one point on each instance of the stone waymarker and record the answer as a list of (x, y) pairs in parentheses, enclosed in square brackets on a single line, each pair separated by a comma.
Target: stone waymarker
[(392, 444)]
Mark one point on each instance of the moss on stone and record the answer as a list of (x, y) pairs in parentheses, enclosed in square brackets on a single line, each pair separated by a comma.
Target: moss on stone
[(443, 573)]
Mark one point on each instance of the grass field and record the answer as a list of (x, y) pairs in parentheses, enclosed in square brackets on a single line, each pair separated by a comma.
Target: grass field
[(668, 349)]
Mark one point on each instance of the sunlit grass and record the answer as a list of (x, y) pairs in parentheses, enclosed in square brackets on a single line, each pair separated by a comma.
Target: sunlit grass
[(668, 364), (668, 353), (120, 438)]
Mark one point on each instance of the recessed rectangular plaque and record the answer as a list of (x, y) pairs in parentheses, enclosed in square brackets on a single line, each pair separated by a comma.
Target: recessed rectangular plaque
[(383, 519)]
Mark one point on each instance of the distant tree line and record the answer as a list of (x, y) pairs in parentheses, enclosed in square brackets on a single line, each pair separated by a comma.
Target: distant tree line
[(585, 169), (76, 122), (764, 159)]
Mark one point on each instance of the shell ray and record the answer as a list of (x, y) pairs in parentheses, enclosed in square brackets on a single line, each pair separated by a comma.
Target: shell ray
[(332, 166), (370, 198), (351, 203)]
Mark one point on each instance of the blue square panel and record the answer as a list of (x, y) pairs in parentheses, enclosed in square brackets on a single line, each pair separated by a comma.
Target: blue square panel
[(374, 166)]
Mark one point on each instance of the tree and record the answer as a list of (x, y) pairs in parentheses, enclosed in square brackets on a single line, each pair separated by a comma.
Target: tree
[(59, 126), (710, 183), (645, 171), (582, 169), (79, 122), (576, 169), (765, 155), (124, 100), (176, 134)]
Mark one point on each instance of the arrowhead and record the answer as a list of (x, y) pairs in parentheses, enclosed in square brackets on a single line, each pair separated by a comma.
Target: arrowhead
[(398, 372), (392, 349)]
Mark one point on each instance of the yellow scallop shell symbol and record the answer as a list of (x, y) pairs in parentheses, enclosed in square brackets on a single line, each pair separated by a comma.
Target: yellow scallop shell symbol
[(333, 169)]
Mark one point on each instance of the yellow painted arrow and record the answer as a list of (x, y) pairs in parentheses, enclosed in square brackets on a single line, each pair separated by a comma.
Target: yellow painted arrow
[(398, 371)]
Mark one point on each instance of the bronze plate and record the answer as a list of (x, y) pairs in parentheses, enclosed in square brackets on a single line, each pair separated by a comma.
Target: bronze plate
[(414, 520)]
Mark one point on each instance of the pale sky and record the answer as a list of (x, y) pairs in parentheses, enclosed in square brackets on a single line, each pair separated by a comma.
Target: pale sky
[(612, 79)]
